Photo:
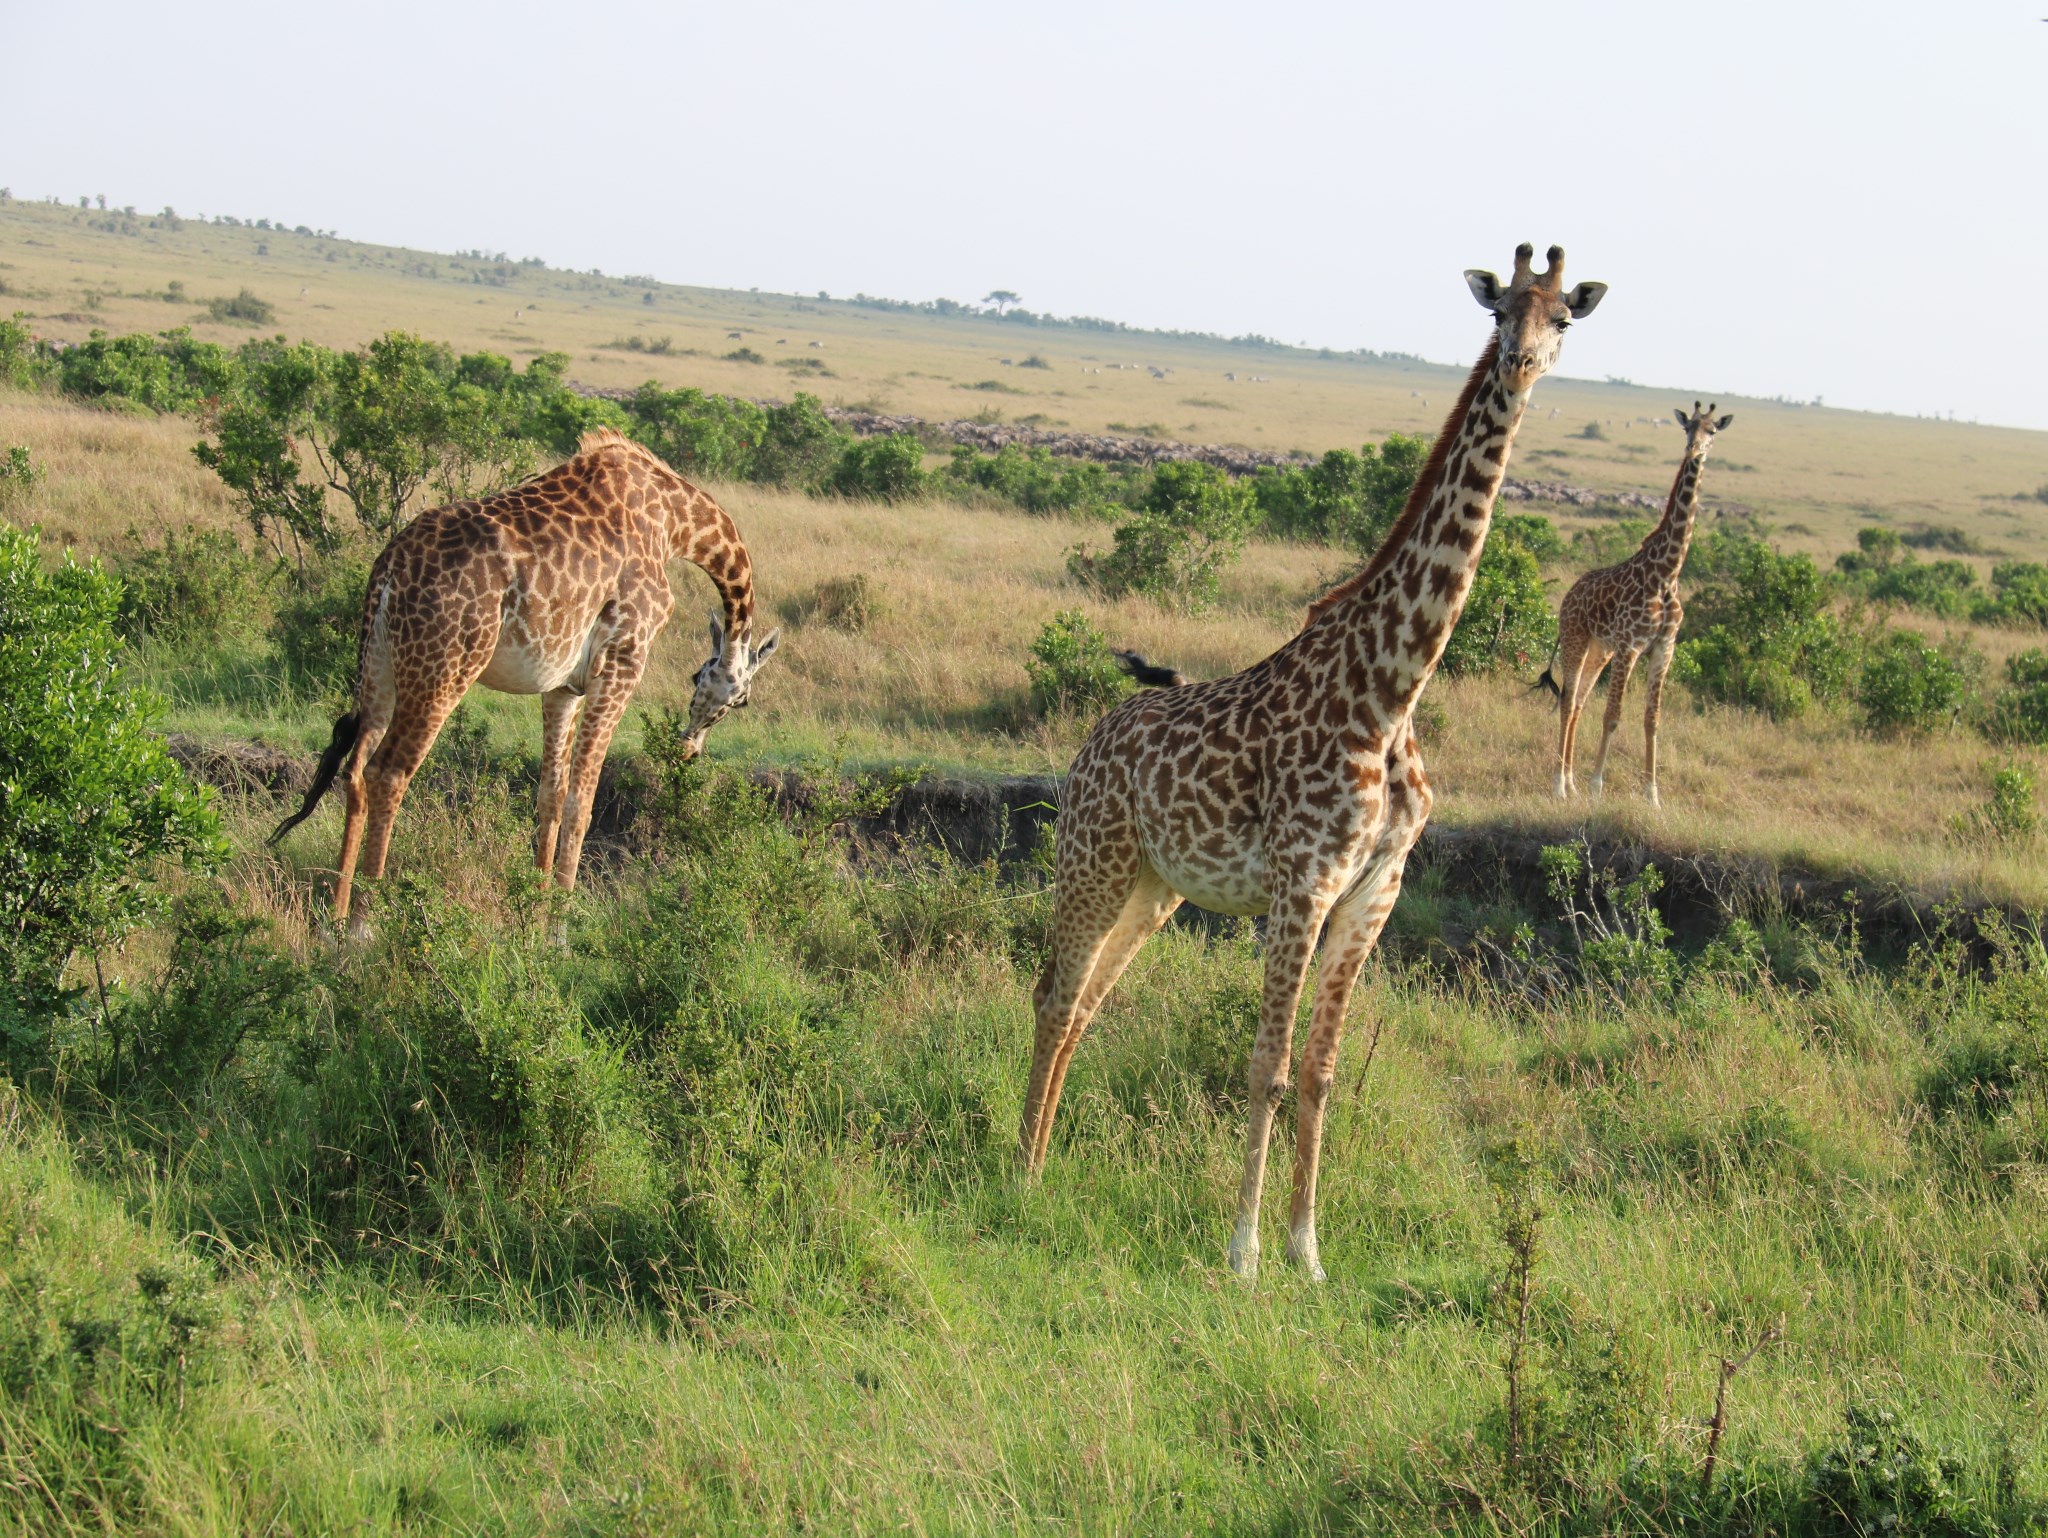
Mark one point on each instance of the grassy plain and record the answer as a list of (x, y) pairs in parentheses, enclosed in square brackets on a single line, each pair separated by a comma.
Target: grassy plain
[(708, 1223), (938, 676), (1815, 474)]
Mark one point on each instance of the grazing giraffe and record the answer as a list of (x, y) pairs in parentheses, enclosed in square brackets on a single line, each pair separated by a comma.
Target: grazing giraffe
[(556, 587), (1629, 611), (1294, 788)]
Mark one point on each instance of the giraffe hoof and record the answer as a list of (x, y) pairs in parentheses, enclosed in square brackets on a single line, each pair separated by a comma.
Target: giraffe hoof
[(1244, 1252), (1652, 797), (1304, 1253), (1596, 787)]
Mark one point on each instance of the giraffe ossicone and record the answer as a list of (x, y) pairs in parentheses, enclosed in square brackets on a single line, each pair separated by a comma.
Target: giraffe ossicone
[(557, 587), (1294, 788), (1625, 612)]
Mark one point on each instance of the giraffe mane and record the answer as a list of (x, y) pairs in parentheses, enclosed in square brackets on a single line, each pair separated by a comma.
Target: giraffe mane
[(1418, 496)]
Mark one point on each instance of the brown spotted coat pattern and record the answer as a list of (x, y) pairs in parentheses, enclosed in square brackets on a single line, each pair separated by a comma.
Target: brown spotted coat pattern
[(556, 587), (1630, 611), (1293, 788)]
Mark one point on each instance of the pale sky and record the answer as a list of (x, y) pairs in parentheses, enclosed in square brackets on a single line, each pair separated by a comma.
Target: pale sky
[(1784, 198)]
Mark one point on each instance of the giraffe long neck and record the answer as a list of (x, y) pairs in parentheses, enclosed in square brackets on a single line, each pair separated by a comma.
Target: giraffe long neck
[(703, 533), (1397, 615), (1663, 553)]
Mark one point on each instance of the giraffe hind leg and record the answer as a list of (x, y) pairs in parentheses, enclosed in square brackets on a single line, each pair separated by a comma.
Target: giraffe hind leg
[(1095, 936)]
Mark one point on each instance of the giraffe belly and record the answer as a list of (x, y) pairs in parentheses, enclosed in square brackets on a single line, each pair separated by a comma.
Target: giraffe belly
[(520, 666), (1235, 884)]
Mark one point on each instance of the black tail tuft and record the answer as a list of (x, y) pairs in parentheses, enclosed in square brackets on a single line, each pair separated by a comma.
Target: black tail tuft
[(1547, 682), (1148, 676), (338, 747)]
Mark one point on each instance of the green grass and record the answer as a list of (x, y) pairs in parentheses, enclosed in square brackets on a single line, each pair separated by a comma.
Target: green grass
[(710, 1222)]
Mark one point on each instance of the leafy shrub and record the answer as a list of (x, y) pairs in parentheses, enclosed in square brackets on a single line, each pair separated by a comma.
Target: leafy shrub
[(1192, 522), (202, 589), (1763, 637), (1593, 431), (90, 802), (2007, 817), (25, 363), (1071, 668), (1507, 617), (2019, 595), (319, 624), (1344, 498), (19, 476), (2020, 712), (744, 355), (245, 306), (1608, 544), (1882, 569), (1036, 482), (887, 468), (1908, 685), (168, 372), (1532, 531), (1883, 1476), (797, 445), (1622, 940)]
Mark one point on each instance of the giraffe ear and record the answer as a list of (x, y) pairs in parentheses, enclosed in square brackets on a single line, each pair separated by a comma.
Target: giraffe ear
[(717, 638), (764, 651), (1485, 287), (1584, 299), (1685, 421), (1723, 423)]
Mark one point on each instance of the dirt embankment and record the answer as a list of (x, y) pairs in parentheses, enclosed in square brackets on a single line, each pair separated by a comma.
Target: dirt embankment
[(1005, 819)]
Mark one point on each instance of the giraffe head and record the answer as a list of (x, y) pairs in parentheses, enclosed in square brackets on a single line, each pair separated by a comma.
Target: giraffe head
[(724, 681), (1532, 312), (1700, 428)]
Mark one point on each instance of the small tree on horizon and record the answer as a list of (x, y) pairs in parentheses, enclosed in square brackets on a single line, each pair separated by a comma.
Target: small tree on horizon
[(1001, 297)]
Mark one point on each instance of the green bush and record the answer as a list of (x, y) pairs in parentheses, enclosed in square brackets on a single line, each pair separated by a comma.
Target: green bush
[(2020, 711), (2008, 815), (1343, 498), (1532, 531), (1173, 546), (19, 476), (1908, 685), (91, 805), (1507, 618), (319, 624), (24, 362), (1071, 668), (201, 589), (167, 372), (1762, 635), (1883, 1476), (245, 307), (2019, 595), (1036, 482), (1609, 544), (888, 468)]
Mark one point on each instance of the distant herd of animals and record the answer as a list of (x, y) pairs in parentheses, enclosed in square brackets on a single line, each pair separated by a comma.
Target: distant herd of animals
[(1293, 789)]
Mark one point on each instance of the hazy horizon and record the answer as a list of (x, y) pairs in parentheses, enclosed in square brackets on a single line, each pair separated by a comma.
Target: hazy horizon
[(1783, 206)]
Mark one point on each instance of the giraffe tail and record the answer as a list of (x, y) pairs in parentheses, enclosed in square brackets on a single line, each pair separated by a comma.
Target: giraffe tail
[(338, 746), (1148, 675), (1548, 680)]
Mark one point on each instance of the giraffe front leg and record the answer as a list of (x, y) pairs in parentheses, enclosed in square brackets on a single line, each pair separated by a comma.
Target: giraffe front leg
[(612, 682), (1659, 664), (1353, 930), (558, 710), (1617, 686), (1291, 930)]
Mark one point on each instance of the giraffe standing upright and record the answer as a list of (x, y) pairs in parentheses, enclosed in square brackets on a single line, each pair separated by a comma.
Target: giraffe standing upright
[(1294, 788), (1630, 611), (556, 587)]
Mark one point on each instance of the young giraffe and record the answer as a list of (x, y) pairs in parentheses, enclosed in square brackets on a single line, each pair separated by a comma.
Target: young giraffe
[(1630, 611), (555, 587), (1294, 788)]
